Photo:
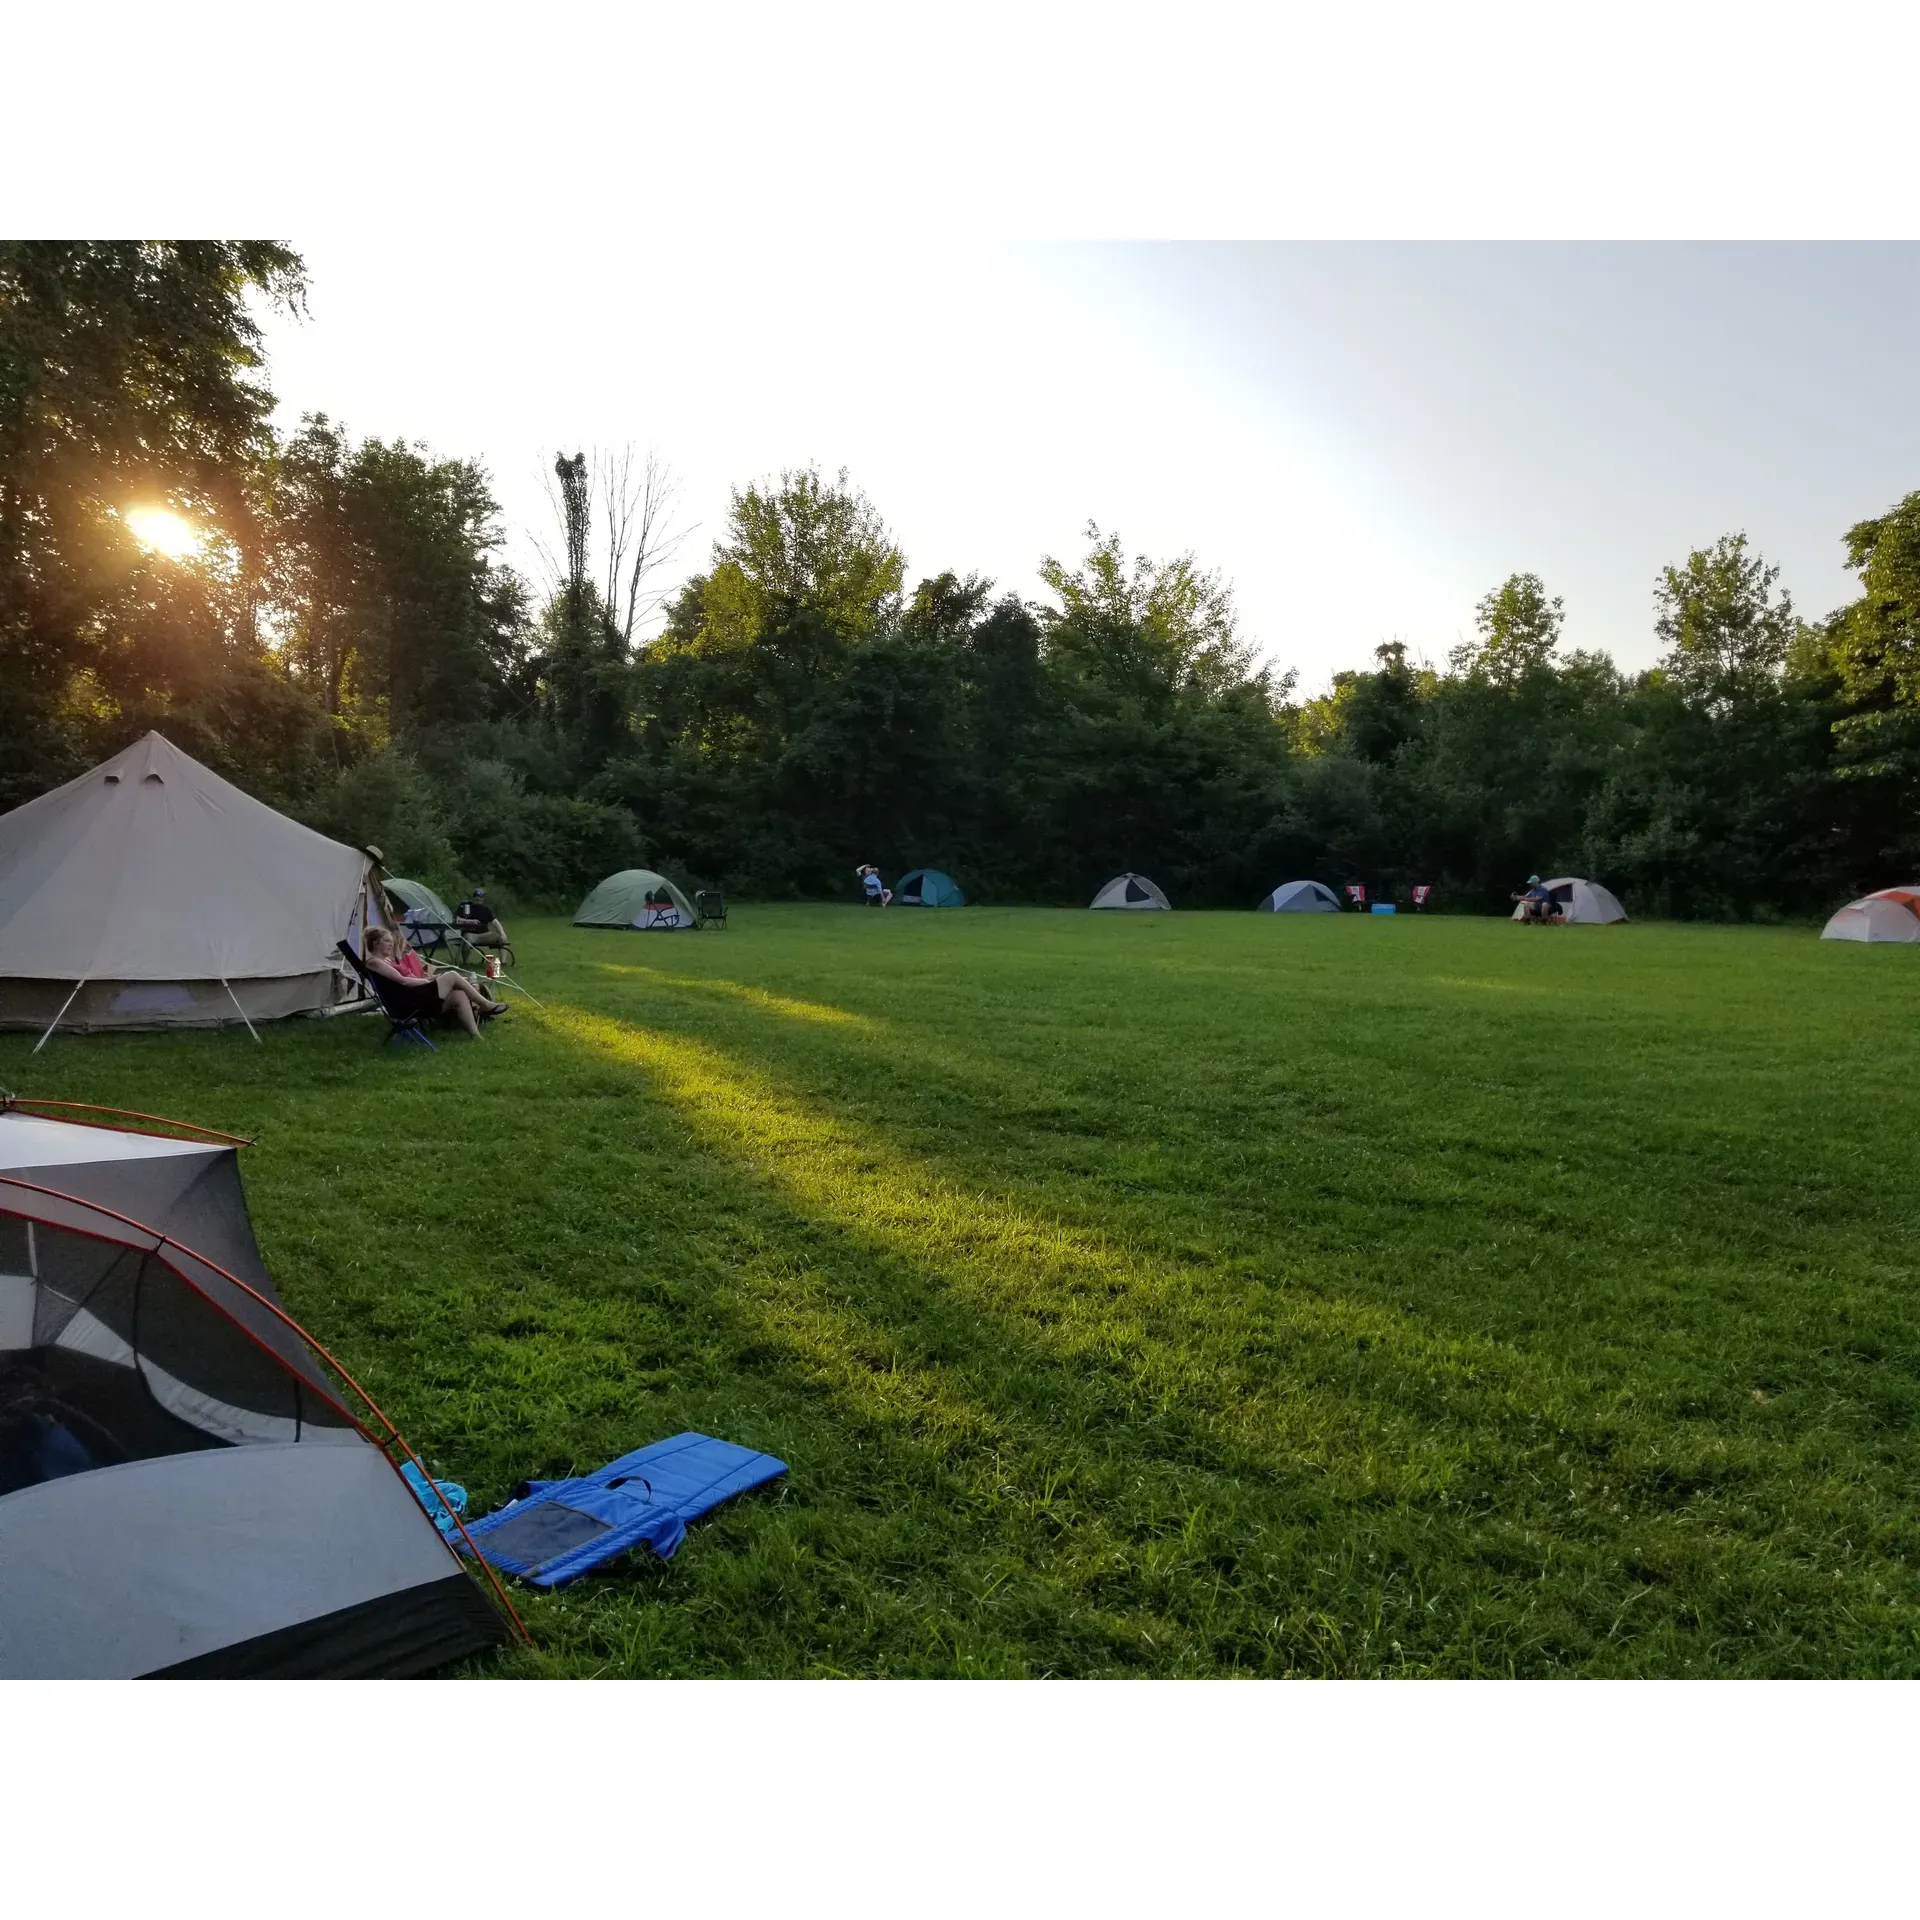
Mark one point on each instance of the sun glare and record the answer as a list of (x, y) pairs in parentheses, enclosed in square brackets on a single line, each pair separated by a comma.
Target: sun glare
[(163, 531)]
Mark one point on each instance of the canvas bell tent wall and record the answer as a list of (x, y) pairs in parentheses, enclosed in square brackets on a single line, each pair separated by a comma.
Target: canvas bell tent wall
[(1581, 903), (1300, 896), (1135, 892), (640, 899), (181, 1489), (152, 893), (1892, 914), (928, 887)]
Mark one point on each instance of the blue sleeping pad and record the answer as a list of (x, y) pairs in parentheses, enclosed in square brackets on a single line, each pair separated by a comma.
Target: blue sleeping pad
[(555, 1530)]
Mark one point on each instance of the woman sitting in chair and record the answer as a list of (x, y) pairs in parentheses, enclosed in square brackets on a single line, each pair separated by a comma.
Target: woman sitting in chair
[(442, 994)]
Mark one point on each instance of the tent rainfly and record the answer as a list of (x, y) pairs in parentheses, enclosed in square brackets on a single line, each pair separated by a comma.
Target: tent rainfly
[(1582, 903), (638, 898), (181, 1492), (928, 887), (1300, 896), (152, 893), (1133, 891), (409, 896), (1892, 914)]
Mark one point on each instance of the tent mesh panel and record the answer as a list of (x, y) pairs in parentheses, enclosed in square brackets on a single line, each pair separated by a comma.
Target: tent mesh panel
[(122, 1360)]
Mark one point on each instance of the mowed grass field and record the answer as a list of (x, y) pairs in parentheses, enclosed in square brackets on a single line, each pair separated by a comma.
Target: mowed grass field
[(1191, 1294)]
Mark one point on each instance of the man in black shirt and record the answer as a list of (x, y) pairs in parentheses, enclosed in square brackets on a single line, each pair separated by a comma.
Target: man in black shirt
[(475, 919)]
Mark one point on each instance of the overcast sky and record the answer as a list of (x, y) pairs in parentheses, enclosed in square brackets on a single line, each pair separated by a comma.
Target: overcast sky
[(1362, 438)]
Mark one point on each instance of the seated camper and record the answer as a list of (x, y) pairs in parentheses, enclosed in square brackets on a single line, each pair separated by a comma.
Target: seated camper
[(477, 922), (448, 997), (1537, 903)]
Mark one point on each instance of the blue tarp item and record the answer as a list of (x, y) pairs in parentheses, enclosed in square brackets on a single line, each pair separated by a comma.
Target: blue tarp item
[(447, 1498), (556, 1530)]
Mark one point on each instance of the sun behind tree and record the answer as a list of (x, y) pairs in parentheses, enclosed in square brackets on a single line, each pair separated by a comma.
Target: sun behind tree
[(163, 531)]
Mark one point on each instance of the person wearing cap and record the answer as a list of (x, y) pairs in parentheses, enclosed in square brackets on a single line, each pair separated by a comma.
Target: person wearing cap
[(1536, 903), (477, 922)]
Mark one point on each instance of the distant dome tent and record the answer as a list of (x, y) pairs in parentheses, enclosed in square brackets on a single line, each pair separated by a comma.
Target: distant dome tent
[(152, 893), (639, 899), (1892, 915), (928, 887), (1300, 896), (1133, 892), (1581, 903)]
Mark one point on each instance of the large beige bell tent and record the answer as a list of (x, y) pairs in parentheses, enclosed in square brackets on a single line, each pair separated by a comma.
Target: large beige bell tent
[(1580, 903), (152, 893), (1133, 892), (1888, 915)]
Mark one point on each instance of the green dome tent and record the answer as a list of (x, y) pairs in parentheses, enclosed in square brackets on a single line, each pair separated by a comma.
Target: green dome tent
[(639, 898), (928, 887), (409, 894)]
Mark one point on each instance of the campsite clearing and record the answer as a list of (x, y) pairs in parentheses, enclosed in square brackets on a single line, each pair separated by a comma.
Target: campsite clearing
[(1164, 1293)]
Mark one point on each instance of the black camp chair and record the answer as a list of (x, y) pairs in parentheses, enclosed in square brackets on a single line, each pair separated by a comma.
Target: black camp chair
[(710, 909), (403, 1022)]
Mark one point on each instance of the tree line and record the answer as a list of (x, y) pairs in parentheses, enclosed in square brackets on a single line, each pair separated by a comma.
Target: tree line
[(346, 641)]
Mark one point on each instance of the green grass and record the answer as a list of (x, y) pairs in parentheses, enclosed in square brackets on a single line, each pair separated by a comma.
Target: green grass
[(1196, 1294)]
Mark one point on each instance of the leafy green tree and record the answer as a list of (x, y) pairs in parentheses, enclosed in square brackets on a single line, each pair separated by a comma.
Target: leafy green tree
[(393, 610), (1519, 627), (1144, 630), (1727, 633), (128, 381)]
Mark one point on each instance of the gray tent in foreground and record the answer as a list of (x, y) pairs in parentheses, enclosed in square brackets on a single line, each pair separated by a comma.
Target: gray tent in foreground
[(180, 1491), (152, 893)]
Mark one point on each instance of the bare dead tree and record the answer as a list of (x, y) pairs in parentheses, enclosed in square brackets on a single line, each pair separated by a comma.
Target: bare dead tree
[(641, 536), (637, 494)]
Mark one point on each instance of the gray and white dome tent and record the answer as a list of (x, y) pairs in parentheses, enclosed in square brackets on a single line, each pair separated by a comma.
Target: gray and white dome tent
[(1300, 896), (1133, 892), (182, 1491), (152, 893), (1581, 903)]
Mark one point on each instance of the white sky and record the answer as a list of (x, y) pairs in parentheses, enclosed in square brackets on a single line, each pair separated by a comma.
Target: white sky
[(1363, 438)]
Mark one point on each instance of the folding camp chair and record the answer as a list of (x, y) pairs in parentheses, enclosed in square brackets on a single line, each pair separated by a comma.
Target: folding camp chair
[(710, 909), (403, 1022)]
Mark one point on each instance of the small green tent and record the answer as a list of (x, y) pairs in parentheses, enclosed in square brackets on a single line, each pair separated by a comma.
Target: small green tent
[(638, 898), (409, 894), (928, 887)]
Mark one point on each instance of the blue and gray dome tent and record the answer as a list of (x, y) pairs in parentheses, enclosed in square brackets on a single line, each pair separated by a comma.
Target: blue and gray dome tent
[(1300, 896), (182, 1489), (928, 887)]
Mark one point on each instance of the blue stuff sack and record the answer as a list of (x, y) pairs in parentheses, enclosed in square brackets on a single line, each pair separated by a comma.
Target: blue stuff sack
[(555, 1530), (443, 1499)]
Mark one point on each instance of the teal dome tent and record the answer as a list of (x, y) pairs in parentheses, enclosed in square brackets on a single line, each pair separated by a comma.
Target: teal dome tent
[(928, 887)]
